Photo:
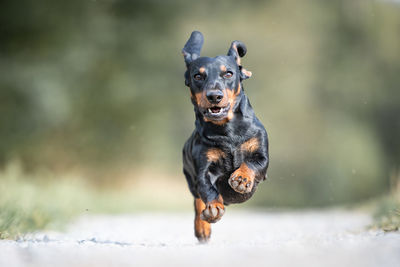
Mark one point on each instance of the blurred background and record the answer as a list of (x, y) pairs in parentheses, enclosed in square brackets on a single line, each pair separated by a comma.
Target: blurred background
[(92, 99)]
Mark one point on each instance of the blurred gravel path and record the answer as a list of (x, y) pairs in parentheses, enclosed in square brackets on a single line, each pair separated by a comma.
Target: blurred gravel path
[(328, 238)]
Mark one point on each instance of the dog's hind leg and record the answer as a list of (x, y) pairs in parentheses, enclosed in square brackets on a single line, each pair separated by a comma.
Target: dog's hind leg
[(202, 229)]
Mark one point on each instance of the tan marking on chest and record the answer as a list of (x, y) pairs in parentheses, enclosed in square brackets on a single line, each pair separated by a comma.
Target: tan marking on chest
[(250, 145), (214, 154)]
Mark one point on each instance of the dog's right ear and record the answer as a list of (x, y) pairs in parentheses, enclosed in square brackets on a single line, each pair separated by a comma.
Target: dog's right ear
[(237, 51), (192, 48)]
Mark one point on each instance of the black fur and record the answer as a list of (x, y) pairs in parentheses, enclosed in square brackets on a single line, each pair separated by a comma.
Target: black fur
[(209, 179)]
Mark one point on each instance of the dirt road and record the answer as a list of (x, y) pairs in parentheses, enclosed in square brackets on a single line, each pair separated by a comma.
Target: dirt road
[(328, 238)]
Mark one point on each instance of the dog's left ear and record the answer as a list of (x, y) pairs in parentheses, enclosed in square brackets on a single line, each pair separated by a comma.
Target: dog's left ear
[(191, 51), (238, 50)]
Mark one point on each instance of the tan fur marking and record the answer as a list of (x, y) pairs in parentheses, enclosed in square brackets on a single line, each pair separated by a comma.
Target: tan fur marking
[(229, 97), (202, 229), (214, 154), (247, 73), (202, 70), (242, 180), (214, 205), (245, 171), (238, 89), (238, 57), (200, 99), (250, 145), (222, 68)]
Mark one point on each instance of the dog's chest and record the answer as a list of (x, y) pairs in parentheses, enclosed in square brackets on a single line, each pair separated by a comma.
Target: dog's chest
[(234, 154), (231, 160)]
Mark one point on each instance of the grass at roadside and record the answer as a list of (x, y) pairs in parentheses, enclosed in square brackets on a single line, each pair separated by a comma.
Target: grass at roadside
[(43, 200), (387, 214), (29, 202), (387, 209)]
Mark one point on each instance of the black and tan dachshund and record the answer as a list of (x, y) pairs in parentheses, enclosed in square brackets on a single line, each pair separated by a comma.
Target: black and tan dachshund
[(227, 155)]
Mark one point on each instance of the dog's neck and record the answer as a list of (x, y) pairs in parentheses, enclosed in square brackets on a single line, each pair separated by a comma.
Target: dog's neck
[(234, 129)]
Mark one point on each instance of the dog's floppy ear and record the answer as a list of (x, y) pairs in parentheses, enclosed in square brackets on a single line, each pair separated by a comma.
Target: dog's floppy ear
[(238, 50), (192, 48)]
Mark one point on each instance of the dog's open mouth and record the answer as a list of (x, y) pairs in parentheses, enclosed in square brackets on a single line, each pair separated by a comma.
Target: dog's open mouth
[(216, 113), (214, 110)]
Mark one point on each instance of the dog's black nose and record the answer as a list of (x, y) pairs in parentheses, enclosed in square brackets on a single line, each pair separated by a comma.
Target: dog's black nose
[(215, 96)]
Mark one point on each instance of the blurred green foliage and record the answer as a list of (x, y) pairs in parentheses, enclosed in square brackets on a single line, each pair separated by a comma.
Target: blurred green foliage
[(386, 212), (97, 86), (28, 202), (41, 199)]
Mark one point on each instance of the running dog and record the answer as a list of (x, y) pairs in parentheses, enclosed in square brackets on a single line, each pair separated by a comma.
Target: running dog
[(226, 156)]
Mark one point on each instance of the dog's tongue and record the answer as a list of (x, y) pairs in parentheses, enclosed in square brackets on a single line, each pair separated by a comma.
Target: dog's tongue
[(215, 110)]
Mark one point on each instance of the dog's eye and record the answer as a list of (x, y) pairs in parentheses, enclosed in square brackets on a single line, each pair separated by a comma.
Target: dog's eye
[(198, 77), (228, 75)]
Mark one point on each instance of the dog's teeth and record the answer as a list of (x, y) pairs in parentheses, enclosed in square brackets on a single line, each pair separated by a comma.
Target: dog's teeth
[(214, 212), (209, 110)]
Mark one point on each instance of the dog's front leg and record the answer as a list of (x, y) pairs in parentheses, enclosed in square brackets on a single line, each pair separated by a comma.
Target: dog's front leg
[(242, 179), (254, 165), (214, 204)]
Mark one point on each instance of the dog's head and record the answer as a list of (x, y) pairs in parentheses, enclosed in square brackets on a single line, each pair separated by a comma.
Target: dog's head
[(215, 82)]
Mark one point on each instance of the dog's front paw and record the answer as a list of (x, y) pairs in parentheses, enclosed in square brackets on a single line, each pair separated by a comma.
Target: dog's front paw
[(213, 211), (242, 180)]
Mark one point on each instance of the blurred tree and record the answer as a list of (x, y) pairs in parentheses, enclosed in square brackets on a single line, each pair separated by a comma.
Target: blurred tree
[(359, 71), (98, 86)]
